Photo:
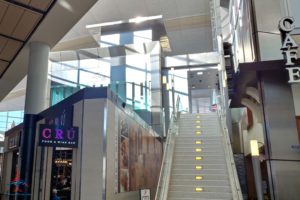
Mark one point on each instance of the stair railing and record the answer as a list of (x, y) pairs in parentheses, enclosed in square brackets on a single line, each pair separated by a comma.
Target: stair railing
[(165, 171), (233, 177)]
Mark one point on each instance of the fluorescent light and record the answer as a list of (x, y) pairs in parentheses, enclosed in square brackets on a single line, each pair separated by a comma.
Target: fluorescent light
[(143, 19), (103, 24)]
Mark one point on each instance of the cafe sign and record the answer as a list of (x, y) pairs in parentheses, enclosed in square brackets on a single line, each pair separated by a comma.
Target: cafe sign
[(289, 49), (58, 136)]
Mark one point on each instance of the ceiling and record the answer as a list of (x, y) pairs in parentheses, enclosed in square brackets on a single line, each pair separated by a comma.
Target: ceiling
[(18, 20), (187, 22)]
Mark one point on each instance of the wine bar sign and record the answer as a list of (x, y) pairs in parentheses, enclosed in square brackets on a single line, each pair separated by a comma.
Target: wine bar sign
[(289, 49), (58, 136)]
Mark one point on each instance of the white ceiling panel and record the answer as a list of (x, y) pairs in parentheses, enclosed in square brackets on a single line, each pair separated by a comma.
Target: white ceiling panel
[(11, 19), (153, 7), (132, 8), (192, 7), (169, 9), (26, 25)]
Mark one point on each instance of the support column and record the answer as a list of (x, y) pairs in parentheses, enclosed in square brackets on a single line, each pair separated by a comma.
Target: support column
[(36, 94), (36, 91)]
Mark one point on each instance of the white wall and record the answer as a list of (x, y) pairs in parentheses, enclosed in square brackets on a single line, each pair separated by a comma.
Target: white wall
[(296, 96)]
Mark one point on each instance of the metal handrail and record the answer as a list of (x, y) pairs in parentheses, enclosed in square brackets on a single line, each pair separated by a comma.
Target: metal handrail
[(165, 171), (233, 177)]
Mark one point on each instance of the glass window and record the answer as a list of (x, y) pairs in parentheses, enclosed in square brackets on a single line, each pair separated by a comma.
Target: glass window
[(7, 119), (142, 36), (110, 40)]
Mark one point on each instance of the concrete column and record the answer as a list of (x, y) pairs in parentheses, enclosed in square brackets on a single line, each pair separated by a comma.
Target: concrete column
[(36, 92), (36, 96)]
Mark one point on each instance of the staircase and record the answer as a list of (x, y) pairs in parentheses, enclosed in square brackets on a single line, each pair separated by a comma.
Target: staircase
[(199, 169)]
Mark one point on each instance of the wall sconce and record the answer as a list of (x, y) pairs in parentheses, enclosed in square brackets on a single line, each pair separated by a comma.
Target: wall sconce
[(164, 79), (254, 148)]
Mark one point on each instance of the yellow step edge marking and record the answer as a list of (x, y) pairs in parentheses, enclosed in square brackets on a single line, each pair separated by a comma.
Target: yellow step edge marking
[(198, 149), (198, 167), (198, 132), (198, 177), (198, 116), (198, 126), (198, 121), (198, 158), (198, 142), (198, 189)]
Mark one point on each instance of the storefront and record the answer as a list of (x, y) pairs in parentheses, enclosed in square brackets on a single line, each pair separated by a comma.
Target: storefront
[(10, 173), (91, 145)]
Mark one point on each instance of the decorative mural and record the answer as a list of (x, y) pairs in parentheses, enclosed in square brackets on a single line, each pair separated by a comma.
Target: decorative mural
[(140, 155)]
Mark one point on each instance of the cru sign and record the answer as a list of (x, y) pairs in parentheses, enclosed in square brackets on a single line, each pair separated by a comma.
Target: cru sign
[(58, 136), (289, 49)]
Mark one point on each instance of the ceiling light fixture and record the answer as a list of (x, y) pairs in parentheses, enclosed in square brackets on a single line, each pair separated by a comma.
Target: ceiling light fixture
[(140, 19)]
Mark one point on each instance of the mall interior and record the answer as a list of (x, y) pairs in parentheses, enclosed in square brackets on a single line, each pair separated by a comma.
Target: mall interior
[(149, 99)]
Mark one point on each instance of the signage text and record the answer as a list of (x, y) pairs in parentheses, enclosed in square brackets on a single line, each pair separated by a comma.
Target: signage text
[(289, 49), (58, 136)]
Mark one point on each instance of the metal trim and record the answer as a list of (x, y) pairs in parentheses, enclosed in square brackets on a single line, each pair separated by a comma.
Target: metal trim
[(27, 7), (11, 38), (104, 142)]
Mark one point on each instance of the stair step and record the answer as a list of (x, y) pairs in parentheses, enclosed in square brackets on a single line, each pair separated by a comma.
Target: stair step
[(203, 137), (192, 139), (203, 160), (197, 172), (201, 116), (203, 165), (211, 177), (201, 182), (206, 148), (204, 144), (206, 195), (192, 130), (199, 196), (206, 188), (202, 154), (203, 133), (196, 198), (213, 118)]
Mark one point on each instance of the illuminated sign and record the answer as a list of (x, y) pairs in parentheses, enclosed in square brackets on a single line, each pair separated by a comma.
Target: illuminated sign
[(289, 49), (58, 136)]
